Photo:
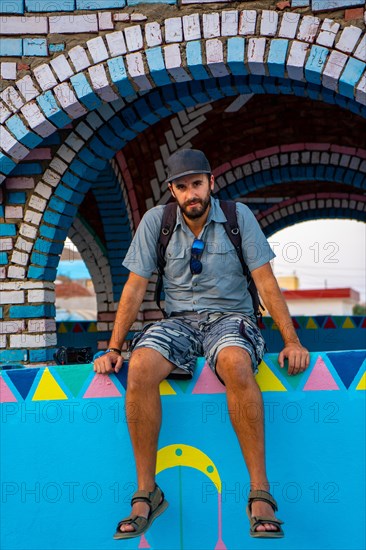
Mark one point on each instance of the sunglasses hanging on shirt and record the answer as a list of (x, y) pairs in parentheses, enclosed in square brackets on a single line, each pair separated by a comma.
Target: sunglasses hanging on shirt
[(196, 254)]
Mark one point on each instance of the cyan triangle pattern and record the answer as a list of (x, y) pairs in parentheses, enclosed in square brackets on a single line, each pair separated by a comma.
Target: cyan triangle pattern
[(347, 364)]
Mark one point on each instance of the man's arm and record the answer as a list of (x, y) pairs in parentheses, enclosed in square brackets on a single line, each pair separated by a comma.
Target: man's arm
[(128, 307), (266, 283)]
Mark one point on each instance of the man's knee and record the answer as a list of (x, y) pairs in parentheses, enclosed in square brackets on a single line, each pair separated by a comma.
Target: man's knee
[(234, 366), (147, 368)]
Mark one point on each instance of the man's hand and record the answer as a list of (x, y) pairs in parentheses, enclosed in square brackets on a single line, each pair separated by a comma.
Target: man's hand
[(110, 362), (298, 358)]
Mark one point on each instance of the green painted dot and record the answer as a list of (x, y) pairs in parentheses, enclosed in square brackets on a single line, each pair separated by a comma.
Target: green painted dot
[(210, 469), (178, 452)]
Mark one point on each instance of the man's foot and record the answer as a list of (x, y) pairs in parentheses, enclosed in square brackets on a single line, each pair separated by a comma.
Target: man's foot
[(260, 510), (138, 509)]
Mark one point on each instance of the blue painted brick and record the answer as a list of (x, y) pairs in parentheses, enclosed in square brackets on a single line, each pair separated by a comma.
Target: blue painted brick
[(213, 91), (170, 99), (47, 246), (82, 169), (1, 211), (1, 312), (55, 218), (194, 60), (100, 149), (118, 73), (27, 169), (74, 182), (84, 92), (49, 5), (300, 3), (54, 48), (6, 164), (110, 137), (11, 47), (69, 195), (197, 91), (121, 129), (45, 260), (49, 106), (132, 120), (226, 85), (22, 133), (7, 230), (3, 258), (184, 94), (241, 84), (12, 6), (156, 103), (350, 76), (325, 5), (235, 56), (43, 273), (29, 312), (144, 111), (269, 84), (86, 156), (99, 4), (35, 47), (13, 355), (52, 232), (17, 197), (158, 72), (277, 57), (62, 206), (53, 139), (138, 2), (38, 355), (315, 64)]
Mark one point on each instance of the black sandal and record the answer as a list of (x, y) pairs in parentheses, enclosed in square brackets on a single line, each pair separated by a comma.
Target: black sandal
[(260, 520)]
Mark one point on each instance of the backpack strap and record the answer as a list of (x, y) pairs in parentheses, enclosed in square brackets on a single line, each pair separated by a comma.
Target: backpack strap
[(166, 230), (233, 232)]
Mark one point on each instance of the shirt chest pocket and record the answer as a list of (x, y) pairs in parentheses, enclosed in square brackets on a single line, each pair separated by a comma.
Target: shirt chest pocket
[(222, 259), (176, 262)]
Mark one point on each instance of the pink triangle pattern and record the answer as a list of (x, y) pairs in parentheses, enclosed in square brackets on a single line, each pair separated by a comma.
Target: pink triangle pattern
[(208, 382), (102, 386), (143, 542), (6, 395), (320, 378)]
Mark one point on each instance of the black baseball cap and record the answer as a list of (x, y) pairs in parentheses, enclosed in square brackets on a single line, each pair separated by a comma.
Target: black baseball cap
[(185, 162)]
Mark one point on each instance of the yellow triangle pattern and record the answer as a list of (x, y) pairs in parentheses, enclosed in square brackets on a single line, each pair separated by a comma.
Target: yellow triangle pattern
[(362, 383), (62, 329), (274, 326), (166, 388), (348, 323), (48, 388), (311, 323), (92, 327), (267, 381)]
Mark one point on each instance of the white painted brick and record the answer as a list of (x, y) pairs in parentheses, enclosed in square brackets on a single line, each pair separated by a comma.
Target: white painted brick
[(105, 22), (62, 67), (41, 325), (173, 30), (13, 212), (35, 284), (269, 22), (51, 177), (74, 141), (348, 39), (116, 43), (256, 49), (27, 88), (44, 190), (33, 341), (215, 58), (4, 113), (360, 52), (289, 25), (36, 120), (23, 245), (247, 22), (333, 70), (11, 97), (134, 38), (153, 34), (296, 60), (16, 272), (8, 70), (20, 258), (66, 153), (361, 90), (24, 25), (84, 130), (100, 83), (11, 146), (308, 28), (136, 70), (121, 17), (37, 203), (3, 343), (138, 17), (41, 296), (45, 77), (6, 244), (191, 27), (32, 217), (173, 63), (28, 231), (328, 33), (229, 23), (58, 165), (73, 24), (11, 327), (97, 49), (211, 25), (79, 58), (68, 101)]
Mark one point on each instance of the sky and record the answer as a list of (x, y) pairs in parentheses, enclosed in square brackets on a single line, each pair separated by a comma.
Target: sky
[(323, 253)]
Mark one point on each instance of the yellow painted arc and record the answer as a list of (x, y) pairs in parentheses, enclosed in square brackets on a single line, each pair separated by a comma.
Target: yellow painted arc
[(166, 389), (48, 388), (186, 455), (267, 381), (362, 383)]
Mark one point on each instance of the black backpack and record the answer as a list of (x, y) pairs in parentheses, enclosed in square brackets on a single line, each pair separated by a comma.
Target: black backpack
[(233, 232)]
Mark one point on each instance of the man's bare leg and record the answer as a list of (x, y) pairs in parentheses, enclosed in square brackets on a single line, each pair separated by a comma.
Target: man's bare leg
[(147, 368), (245, 406)]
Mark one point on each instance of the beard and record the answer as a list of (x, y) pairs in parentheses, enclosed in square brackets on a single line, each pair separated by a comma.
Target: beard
[(200, 207)]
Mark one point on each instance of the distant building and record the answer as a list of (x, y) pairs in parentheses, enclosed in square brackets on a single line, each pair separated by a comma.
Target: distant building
[(324, 301)]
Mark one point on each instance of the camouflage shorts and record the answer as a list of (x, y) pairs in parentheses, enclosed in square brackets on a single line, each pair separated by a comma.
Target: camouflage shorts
[(181, 339)]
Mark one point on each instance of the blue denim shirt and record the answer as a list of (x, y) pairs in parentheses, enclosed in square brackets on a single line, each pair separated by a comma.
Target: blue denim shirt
[(221, 286)]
